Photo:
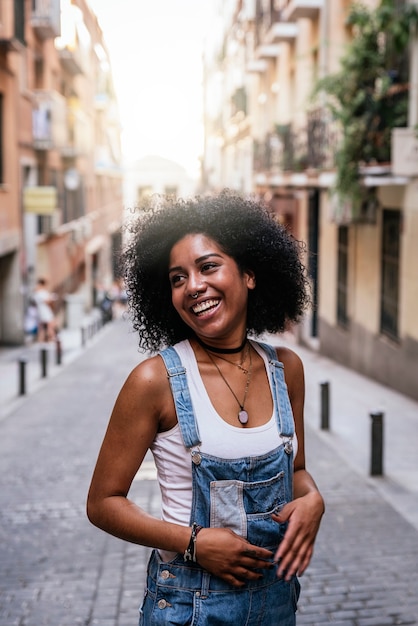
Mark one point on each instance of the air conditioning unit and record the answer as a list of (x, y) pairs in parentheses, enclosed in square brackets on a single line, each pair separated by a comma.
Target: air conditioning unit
[(404, 152), (49, 224)]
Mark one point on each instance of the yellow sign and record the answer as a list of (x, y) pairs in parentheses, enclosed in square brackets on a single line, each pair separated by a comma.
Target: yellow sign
[(40, 200)]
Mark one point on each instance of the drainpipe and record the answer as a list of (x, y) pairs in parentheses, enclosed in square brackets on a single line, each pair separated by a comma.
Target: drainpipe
[(413, 77)]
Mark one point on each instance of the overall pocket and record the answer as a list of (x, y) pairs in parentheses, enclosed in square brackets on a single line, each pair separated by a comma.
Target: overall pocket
[(246, 507)]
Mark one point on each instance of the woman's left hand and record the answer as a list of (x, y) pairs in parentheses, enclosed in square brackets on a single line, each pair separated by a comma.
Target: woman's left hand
[(295, 551)]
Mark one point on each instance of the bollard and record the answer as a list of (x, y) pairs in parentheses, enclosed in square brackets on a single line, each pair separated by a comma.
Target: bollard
[(325, 406), (22, 377), (44, 362), (376, 463), (58, 354), (83, 336)]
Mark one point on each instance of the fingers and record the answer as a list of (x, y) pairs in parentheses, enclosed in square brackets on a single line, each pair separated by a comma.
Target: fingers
[(294, 553)]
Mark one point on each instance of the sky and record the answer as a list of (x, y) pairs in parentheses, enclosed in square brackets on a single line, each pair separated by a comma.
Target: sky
[(155, 53)]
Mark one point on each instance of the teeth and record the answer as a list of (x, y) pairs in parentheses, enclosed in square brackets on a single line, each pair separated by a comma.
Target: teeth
[(204, 306)]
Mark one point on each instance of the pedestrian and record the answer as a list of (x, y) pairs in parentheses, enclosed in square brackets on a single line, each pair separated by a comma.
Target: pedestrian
[(221, 413), (31, 320), (46, 320)]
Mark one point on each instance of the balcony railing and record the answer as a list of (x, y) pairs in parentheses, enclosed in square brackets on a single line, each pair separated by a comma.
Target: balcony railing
[(293, 10), (323, 138), (49, 120), (46, 18), (290, 150)]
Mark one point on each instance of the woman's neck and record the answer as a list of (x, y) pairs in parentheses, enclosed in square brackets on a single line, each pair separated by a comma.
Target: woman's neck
[(220, 349)]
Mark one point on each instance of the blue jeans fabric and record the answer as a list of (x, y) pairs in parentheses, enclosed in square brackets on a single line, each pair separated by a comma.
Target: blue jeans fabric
[(240, 494)]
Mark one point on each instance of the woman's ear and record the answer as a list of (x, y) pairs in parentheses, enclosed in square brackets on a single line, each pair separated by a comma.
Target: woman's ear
[(250, 279)]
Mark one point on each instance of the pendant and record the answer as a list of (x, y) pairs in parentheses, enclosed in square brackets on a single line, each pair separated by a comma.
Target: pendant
[(243, 417)]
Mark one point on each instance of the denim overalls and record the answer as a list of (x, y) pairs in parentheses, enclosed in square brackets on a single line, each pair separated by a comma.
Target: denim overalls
[(239, 494)]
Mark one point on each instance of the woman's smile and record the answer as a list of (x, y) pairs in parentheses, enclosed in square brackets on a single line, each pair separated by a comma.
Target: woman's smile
[(201, 308)]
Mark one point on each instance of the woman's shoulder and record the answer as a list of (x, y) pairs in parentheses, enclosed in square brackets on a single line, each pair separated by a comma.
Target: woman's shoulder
[(146, 392), (150, 372)]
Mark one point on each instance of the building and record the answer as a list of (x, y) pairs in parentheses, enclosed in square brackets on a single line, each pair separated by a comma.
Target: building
[(155, 175), (267, 134), (60, 163)]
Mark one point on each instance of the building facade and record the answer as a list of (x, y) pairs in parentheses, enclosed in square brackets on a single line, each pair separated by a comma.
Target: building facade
[(267, 134), (61, 179)]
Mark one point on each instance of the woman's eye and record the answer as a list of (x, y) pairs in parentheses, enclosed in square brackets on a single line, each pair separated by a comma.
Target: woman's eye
[(175, 280), (208, 266)]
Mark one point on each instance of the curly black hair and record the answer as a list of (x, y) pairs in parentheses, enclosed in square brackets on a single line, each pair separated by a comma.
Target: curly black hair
[(244, 230)]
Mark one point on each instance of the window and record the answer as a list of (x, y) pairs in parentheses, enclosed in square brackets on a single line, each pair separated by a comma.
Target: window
[(342, 277), (389, 297)]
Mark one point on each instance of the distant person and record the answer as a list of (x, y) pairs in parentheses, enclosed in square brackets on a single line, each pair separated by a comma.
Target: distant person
[(31, 320), (222, 414), (46, 319)]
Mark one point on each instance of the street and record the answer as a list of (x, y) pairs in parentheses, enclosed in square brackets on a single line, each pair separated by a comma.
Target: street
[(58, 570)]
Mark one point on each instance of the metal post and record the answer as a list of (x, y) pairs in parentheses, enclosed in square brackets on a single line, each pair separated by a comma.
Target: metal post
[(83, 336), (325, 406), (58, 346), (22, 377), (376, 463), (44, 362)]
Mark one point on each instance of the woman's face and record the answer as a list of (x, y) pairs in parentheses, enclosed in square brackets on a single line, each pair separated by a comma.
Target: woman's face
[(198, 265)]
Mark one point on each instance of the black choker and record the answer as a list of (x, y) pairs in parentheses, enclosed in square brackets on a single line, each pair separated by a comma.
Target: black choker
[(222, 350)]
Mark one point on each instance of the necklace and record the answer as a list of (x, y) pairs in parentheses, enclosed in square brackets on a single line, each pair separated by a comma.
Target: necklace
[(221, 350), (241, 364), (242, 413)]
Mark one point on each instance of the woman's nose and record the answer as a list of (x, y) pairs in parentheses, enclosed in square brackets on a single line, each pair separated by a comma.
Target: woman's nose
[(195, 284)]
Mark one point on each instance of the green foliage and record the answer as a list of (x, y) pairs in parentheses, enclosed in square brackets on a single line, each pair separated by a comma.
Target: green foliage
[(369, 95)]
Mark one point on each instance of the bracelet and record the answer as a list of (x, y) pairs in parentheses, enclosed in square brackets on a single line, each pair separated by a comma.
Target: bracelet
[(190, 551)]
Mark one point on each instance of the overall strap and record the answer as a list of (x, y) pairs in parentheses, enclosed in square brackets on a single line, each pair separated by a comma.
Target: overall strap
[(176, 374), (284, 412)]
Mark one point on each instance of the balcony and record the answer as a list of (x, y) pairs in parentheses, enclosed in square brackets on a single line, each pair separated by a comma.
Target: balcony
[(298, 9), (271, 51), (49, 120), (79, 140), (12, 25), (282, 32), (296, 150), (256, 66), (323, 138), (71, 60), (74, 43), (46, 18)]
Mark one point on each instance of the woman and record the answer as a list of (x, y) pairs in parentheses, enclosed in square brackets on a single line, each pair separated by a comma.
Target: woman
[(221, 413), (43, 301)]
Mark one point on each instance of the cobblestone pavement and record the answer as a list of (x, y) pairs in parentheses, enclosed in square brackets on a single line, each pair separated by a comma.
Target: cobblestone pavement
[(58, 570)]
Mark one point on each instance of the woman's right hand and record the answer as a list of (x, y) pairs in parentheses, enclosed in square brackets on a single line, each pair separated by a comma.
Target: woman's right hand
[(227, 555)]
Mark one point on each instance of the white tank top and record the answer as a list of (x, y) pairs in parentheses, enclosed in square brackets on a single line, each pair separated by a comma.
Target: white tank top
[(218, 438)]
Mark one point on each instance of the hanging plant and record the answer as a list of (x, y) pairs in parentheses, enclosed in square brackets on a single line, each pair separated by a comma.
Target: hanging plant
[(369, 95)]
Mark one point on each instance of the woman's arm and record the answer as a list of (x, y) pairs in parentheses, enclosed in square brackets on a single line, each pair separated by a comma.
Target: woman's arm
[(143, 407), (305, 511)]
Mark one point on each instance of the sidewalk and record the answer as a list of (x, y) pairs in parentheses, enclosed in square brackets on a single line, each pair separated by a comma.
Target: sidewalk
[(72, 342), (352, 398), (58, 570)]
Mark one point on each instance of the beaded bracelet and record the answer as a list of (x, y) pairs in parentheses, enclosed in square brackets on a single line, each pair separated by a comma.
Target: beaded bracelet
[(190, 551)]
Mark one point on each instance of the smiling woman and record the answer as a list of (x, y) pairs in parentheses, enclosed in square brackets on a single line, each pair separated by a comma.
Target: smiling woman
[(221, 413)]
